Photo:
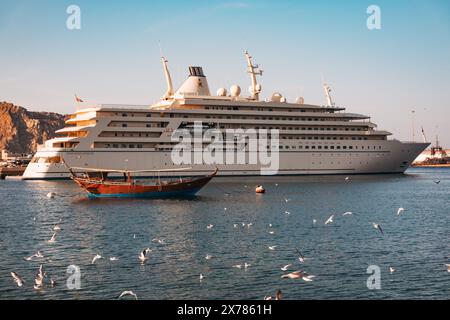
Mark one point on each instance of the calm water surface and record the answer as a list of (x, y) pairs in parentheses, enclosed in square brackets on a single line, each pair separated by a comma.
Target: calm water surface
[(416, 243)]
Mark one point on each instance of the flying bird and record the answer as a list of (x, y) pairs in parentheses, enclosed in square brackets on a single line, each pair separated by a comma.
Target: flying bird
[(272, 247), (284, 268), (51, 195), (400, 210), (347, 178), (39, 279), (299, 275), (448, 267), (246, 265), (437, 181), (128, 293), (53, 238), (238, 266), (209, 226), (17, 279), (301, 258), (56, 228), (330, 219), (208, 257), (201, 277), (391, 270), (143, 255), (113, 259), (348, 213), (96, 257), (287, 212), (377, 226), (271, 232), (36, 255)]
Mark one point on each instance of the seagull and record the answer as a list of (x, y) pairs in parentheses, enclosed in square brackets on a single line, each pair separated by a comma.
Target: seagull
[(314, 222), (287, 200), (377, 226), (271, 232), (56, 228), (51, 195), (235, 225), (249, 225), (298, 275), (17, 279), (38, 280), (301, 258), (284, 268), (246, 265), (53, 238), (330, 219), (437, 181), (272, 247), (391, 270), (201, 277), (208, 257), (268, 298), (287, 212), (400, 210), (36, 255), (270, 225), (128, 293), (224, 209), (143, 256), (209, 226), (113, 259), (160, 241), (97, 256), (347, 178), (134, 236), (238, 266), (448, 267), (52, 282), (348, 213)]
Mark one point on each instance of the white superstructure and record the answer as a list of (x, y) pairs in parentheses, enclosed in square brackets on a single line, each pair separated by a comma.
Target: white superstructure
[(314, 139)]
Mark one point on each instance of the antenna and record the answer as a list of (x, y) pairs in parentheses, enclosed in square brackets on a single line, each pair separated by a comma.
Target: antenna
[(252, 69), (424, 137), (327, 91), (413, 127), (169, 92)]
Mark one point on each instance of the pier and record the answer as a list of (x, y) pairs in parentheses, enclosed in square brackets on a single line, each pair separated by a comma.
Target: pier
[(11, 171)]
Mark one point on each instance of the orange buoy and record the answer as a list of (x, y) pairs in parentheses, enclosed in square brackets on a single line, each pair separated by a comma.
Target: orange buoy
[(260, 189)]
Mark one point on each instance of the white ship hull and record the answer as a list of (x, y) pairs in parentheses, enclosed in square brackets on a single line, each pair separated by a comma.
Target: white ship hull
[(389, 156)]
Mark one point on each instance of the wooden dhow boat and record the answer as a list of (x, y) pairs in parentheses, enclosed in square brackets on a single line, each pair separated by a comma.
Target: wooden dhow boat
[(98, 185)]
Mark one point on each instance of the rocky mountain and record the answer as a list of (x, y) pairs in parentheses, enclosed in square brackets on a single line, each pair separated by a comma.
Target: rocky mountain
[(21, 131)]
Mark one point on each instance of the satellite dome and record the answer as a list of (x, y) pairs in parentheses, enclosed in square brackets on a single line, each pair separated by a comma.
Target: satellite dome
[(276, 97), (221, 92), (300, 100), (235, 91)]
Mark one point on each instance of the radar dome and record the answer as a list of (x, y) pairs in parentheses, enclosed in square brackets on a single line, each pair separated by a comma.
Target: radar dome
[(235, 91), (300, 100), (276, 97), (222, 92)]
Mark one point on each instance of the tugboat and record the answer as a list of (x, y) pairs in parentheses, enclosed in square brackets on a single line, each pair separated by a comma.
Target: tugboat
[(435, 157), (97, 184)]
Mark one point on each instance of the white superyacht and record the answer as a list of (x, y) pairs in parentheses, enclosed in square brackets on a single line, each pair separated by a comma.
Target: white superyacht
[(313, 139)]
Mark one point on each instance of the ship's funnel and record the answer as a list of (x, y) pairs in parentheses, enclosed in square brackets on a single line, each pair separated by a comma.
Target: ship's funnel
[(195, 85)]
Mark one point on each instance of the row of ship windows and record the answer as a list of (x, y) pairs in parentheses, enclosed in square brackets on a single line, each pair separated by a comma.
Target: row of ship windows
[(207, 116), (165, 124), (313, 147)]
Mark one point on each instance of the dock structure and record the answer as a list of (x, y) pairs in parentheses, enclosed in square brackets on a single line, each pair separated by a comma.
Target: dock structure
[(11, 171)]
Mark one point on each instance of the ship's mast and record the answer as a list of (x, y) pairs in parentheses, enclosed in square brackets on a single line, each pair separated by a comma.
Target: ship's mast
[(327, 90), (252, 69), (169, 92)]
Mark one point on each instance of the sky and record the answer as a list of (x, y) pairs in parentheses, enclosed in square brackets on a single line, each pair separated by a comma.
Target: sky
[(115, 56)]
